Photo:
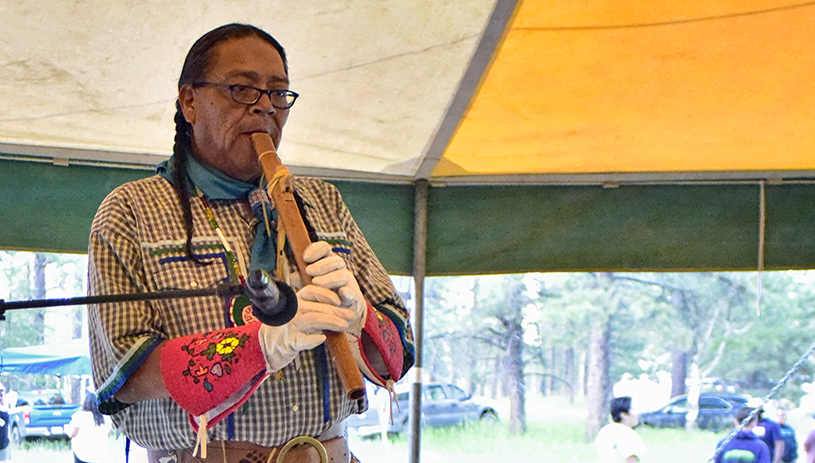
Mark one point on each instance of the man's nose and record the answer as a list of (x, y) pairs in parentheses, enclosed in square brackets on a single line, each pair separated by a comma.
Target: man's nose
[(264, 104)]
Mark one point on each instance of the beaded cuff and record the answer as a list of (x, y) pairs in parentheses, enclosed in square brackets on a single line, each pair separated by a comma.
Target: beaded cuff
[(379, 338), (211, 374)]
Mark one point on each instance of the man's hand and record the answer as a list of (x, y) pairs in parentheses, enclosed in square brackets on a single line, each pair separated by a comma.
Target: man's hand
[(332, 283), (281, 344)]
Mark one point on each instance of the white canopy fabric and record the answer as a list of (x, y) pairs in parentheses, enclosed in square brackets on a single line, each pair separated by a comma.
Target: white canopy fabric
[(471, 90), (96, 80)]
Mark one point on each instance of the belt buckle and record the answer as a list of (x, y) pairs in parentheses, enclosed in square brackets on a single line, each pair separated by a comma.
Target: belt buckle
[(303, 440)]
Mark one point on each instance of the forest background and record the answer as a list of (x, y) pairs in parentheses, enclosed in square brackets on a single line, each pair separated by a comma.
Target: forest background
[(568, 335)]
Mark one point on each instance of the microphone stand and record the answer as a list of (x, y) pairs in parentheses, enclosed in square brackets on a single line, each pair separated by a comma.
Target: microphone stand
[(221, 290)]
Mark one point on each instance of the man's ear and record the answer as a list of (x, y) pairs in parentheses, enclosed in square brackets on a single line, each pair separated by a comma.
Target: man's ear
[(186, 97)]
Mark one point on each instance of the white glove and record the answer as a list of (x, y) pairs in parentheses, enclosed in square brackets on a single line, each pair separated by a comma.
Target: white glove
[(281, 344), (328, 272)]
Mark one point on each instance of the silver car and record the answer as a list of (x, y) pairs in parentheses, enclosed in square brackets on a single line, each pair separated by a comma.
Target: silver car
[(443, 404)]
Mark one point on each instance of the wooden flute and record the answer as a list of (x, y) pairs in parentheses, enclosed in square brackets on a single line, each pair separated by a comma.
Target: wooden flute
[(281, 189)]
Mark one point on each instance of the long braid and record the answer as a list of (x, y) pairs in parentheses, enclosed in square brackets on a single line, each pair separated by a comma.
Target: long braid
[(181, 182)]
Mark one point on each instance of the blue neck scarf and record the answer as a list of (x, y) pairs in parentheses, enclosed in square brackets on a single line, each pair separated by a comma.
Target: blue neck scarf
[(215, 185)]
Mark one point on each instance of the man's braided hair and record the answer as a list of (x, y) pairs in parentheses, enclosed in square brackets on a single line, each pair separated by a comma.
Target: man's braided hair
[(195, 68)]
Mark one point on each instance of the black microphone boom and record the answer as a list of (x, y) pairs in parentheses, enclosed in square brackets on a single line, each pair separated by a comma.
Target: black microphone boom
[(222, 290), (273, 302)]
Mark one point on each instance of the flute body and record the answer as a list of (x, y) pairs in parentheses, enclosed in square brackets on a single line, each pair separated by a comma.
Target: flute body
[(281, 190)]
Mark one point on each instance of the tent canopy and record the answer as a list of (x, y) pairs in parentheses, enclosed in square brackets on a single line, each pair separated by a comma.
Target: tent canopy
[(70, 358), (553, 135)]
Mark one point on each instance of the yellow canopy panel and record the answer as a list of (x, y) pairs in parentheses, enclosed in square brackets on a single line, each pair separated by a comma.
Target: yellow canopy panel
[(608, 86)]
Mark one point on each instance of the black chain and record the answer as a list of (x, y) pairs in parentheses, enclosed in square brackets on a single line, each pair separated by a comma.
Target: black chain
[(764, 400)]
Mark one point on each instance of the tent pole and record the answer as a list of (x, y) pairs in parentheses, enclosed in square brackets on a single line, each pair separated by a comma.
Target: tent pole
[(419, 262)]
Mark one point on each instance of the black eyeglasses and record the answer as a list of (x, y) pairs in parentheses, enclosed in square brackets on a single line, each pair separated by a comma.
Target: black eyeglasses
[(248, 95)]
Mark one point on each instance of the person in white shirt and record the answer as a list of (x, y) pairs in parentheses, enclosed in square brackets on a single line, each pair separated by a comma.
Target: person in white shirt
[(5, 426), (89, 431), (617, 442)]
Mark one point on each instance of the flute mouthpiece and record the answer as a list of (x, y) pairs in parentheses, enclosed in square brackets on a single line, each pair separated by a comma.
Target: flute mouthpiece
[(263, 143)]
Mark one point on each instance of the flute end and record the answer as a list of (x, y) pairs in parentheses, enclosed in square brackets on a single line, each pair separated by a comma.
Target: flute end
[(263, 143)]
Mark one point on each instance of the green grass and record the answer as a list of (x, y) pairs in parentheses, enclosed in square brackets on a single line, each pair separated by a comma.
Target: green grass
[(48, 445), (542, 442), (59, 451), (555, 434)]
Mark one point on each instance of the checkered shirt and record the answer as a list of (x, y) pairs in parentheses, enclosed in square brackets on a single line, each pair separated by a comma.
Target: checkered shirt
[(137, 245)]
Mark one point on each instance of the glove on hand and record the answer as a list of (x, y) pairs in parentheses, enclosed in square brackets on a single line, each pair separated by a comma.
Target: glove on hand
[(328, 272), (281, 344)]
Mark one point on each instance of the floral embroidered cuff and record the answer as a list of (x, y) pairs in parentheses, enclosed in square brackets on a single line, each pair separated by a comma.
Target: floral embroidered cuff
[(211, 374), (378, 348)]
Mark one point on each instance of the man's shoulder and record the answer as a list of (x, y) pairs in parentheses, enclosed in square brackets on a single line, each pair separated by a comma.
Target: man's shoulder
[(312, 184), (615, 430), (314, 191), (765, 422), (154, 183), (146, 193), (772, 431), (744, 442)]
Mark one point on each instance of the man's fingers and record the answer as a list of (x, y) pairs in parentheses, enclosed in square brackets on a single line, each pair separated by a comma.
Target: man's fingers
[(347, 295), (333, 280), (304, 341), (316, 317), (325, 265), (316, 293), (316, 251)]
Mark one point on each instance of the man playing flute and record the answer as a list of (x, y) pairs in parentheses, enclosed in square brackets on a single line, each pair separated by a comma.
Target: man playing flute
[(185, 376)]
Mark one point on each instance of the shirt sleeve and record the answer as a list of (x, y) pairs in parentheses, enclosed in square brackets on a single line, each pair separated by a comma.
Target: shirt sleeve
[(378, 289), (373, 280), (776, 432), (122, 334)]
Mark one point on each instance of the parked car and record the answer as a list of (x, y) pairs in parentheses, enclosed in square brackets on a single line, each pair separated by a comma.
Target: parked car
[(716, 385), (716, 412), (442, 405), (736, 400), (41, 413)]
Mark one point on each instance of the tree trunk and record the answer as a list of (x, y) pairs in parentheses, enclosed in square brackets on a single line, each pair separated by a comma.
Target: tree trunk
[(583, 375), (514, 363), (515, 381), (38, 315), (544, 386), (679, 371), (553, 386), (597, 380), (496, 378), (77, 395), (693, 397), (568, 372)]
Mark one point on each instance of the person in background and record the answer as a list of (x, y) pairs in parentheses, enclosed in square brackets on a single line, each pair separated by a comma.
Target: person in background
[(809, 446), (745, 447), (617, 442), (770, 433), (89, 431), (790, 453), (5, 442)]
